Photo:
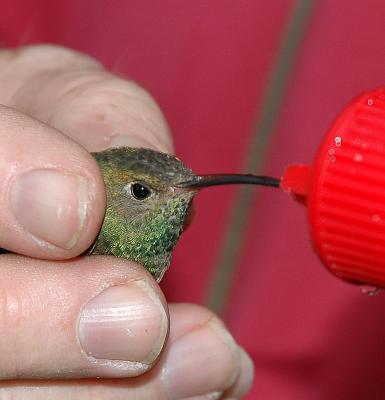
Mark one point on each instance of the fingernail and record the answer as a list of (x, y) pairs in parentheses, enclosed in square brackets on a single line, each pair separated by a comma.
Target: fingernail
[(125, 323), (246, 376), (203, 361), (214, 395), (51, 205), (122, 140), (209, 396)]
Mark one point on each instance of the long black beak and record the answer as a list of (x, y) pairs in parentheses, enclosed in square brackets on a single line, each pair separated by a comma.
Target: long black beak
[(229, 179)]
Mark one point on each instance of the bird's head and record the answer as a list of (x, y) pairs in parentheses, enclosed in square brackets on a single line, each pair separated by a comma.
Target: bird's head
[(146, 209), (149, 197)]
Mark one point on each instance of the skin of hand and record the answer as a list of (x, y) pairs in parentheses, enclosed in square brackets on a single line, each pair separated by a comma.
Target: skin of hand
[(88, 327)]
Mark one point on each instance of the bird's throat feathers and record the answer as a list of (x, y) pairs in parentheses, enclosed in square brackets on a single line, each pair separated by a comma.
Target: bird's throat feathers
[(145, 238)]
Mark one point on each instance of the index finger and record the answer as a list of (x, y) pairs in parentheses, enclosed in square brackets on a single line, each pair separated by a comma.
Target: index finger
[(76, 95)]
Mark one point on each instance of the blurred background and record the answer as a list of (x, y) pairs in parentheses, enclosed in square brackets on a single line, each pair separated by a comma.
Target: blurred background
[(248, 85)]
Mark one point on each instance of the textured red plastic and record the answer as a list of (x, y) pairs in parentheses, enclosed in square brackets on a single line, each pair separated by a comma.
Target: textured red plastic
[(346, 200), (296, 179)]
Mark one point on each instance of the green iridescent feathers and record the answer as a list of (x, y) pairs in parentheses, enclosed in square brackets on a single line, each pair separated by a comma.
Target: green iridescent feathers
[(143, 227)]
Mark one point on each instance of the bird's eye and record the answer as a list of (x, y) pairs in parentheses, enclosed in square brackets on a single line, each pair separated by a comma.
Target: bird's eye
[(140, 191)]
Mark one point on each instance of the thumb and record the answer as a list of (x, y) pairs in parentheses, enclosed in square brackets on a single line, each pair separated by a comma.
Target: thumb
[(51, 191)]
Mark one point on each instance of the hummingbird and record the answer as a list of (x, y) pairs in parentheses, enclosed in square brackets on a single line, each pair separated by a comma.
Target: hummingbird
[(149, 203)]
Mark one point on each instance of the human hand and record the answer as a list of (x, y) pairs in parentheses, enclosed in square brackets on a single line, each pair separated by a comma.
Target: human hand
[(68, 320)]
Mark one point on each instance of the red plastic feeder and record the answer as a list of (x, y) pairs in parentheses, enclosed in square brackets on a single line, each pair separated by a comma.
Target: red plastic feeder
[(345, 192)]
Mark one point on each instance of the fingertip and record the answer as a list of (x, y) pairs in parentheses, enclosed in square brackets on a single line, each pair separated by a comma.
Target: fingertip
[(245, 378), (52, 191), (114, 325), (202, 356), (106, 111)]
